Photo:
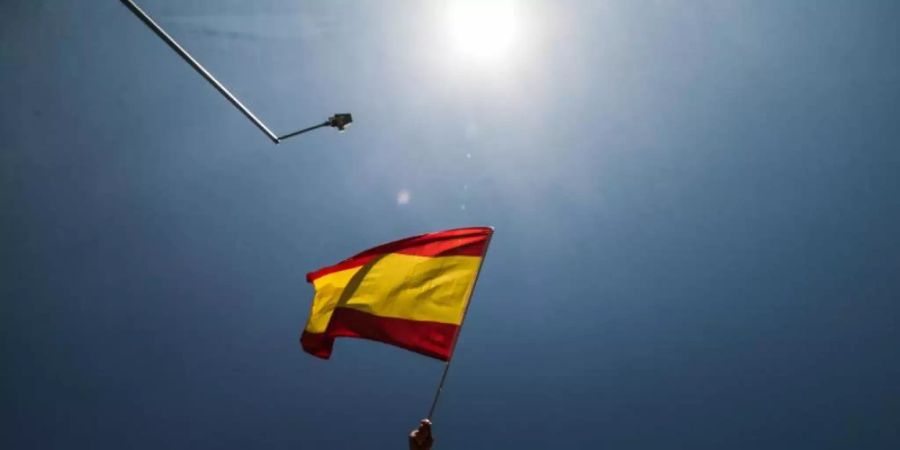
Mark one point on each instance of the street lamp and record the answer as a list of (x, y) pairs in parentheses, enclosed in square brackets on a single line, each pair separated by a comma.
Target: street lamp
[(339, 121)]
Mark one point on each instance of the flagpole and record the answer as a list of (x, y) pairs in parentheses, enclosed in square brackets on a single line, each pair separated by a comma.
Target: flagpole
[(440, 388)]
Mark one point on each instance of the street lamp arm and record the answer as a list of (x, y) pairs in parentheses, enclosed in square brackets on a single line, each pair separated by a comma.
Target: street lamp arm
[(290, 135)]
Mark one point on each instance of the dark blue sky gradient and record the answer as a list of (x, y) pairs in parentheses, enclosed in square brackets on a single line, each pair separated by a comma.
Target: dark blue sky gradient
[(696, 205)]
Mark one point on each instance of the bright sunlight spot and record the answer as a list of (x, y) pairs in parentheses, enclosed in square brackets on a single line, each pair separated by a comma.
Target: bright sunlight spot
[(483, 30), (403, 197)]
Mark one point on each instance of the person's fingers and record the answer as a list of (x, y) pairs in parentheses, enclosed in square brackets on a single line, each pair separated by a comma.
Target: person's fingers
[(421, 438), (414, 443)]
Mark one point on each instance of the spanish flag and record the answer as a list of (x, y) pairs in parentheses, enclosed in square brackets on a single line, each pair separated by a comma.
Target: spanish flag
[(412, 293)]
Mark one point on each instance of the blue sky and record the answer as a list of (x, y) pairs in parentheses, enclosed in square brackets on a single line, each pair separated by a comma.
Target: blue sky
[(696, 208)]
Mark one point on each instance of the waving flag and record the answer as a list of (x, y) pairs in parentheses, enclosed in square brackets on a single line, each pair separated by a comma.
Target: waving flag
[(411, 293)]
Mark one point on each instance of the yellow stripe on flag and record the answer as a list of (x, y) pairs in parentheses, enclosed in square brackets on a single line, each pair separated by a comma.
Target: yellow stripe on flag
[(420, 288)]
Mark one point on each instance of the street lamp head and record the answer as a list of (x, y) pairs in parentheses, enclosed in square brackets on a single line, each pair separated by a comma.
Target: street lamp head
[(340, 121)]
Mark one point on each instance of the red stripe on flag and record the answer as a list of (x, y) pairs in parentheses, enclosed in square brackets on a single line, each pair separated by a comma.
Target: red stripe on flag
[(427, 338), (457, 242)]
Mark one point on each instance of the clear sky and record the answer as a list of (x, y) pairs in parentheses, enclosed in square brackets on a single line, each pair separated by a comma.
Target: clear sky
[(696, 205)]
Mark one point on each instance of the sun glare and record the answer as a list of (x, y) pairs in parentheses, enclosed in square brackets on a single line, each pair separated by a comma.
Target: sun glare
[(483, 30)]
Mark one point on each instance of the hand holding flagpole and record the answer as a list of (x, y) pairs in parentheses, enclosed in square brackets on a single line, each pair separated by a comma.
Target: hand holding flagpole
[(421, 438)]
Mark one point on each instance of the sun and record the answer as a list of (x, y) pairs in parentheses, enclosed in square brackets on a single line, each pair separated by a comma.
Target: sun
[(482, 30)]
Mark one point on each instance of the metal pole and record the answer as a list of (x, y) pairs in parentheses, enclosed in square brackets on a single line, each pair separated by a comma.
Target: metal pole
[(198, 67), (290, 135), (440, 387)]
